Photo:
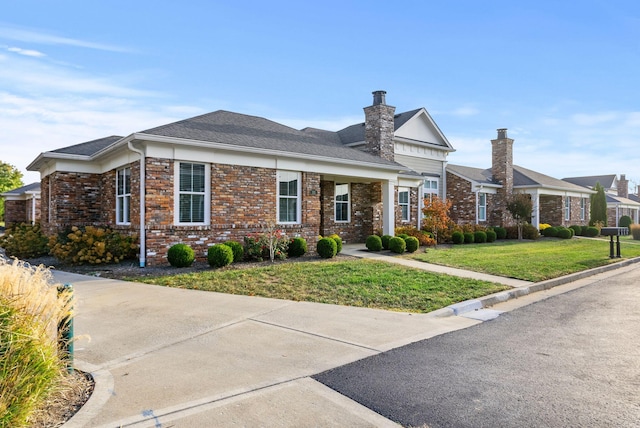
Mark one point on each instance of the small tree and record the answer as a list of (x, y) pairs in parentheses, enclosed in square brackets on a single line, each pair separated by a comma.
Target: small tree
[(10, 178), (520, 207), (598, 208), (436, 215)]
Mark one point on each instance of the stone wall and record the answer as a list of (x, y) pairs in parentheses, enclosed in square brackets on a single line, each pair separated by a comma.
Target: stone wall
[(379, 128)]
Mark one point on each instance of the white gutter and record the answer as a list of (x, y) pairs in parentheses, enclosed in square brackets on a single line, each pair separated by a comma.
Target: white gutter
[(143, 226)]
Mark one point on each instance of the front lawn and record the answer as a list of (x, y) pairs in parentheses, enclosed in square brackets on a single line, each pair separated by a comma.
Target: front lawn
[(529, 260)]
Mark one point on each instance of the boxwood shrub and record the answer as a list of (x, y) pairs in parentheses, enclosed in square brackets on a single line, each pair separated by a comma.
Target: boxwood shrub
[(297, 247), (591, 231), (385, 241), (338, 240), (564, 233), (412, 244), (374, 243), (238, 250), (501, 232), (479, 237), (181, 255), (219, 255), (468, 238), (457, 237), (397, 245), (577, 230), (625, 221), (327, 248), (491, 235)]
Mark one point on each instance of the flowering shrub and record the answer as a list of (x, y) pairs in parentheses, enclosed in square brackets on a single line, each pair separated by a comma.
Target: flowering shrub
[(24, 241), (424, 238), (270, 245), (544, 226), (92, 245)]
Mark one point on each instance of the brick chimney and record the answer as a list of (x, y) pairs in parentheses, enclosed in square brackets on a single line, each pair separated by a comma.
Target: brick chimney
[(623, 186), (379, 127), (502, 172)]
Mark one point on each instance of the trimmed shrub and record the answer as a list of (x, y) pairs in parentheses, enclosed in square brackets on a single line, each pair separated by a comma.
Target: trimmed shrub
[(468, 238), (577, 230), (584, 231), (338, 240), (374, 243), (412, 244), (544, 226), (385, 241), (635, 231), (238, 250), (501, 232), (92, 245), (403, 236), (625, 221), (24, 241), (457, 237), (592, 231), (327, 248), (550, 232), (564, 233), (297, 247), (479, 237), (181, 255), (528, 232), (219, 255), (491, 235), (397, 245)]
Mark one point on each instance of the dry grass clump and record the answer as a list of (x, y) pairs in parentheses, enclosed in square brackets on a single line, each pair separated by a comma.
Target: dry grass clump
[(635, 231), (30, 310)]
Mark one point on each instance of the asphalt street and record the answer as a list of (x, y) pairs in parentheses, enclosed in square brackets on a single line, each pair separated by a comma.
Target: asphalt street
[(572, 360)]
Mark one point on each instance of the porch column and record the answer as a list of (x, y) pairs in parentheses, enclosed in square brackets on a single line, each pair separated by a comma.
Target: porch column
[(388, 208), (535, 212)]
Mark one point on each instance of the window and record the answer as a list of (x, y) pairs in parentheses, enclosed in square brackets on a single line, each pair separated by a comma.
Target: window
[(482, 207), (583, 208), (193, 193), (123, 196), (567, 208), (403, 202), (289, 197), (342, 203), (430, 188)]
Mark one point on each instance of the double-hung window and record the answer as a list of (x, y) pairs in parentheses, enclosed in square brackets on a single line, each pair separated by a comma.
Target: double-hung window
[(482, 206), (342, 203), (289, 190), (123, 196), (582, 208), (403, 202), (193, 190), (567, 208), (430, 188)]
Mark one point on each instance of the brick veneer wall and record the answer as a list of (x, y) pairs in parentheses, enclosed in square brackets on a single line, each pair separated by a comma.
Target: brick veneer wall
[(552, 210), (15, 212), (413, 209), (379, 130), (612, 219)]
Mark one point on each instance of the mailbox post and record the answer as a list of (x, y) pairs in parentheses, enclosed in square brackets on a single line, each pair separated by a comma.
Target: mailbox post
[(611, 232)]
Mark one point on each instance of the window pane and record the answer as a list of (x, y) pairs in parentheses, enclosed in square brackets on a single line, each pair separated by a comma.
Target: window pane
[(403, 197), (405, 212), (185, 208), (293, 188), (284, 188), (127, 180), (342, 192), (197, 208), (198, 178), (185, 177), (342, 211)]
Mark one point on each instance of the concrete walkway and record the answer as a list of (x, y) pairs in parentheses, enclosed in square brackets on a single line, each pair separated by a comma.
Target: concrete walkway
[(166, 357)]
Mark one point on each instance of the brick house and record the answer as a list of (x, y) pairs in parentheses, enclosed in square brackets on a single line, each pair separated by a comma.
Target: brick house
[(22, 205), (479, 195), (616, 191), (224, 175)]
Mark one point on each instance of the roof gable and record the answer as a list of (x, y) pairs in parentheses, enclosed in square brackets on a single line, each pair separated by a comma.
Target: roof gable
[(523, 177), (418, 126), (607, 181)]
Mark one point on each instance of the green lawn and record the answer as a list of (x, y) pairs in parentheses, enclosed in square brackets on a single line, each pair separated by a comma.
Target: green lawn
[(530, 260)]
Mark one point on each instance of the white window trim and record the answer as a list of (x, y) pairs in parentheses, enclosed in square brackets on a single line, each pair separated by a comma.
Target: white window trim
[(583, 208), (122, 198), (408, 203), (298, 197), (480, 217), (336, 202), (207, 195), (567, 208)]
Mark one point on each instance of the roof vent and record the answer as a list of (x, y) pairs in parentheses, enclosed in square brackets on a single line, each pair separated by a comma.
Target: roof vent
[(378, 97), (502, 133)]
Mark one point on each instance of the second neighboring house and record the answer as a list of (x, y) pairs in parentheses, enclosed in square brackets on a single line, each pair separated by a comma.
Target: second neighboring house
[(22, 205), (479, 196), (225, 175)]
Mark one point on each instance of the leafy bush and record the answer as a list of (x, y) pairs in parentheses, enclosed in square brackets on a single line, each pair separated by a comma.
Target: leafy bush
[(584, 231), (468, 238), (625, 221), (402, 235), (92, 245), (397, 245), (577, 230), (327, 248), (491, 235), (544, 226), (256, 246), (412, 244), (338, 240), (424, 238), (501, 232), (592, 231), (479, 237), (528, 232), (635, 231), (374, 243), (550, 232), (564, 233), (181, 255), (219, 255), (238, 250), (24, 241), (457, 237), (385, 241), (297, 247)]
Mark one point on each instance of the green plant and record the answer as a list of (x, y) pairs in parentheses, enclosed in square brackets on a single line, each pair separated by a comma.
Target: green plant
[(385, 241), (491, 235), (91, 245), (397, 245), (260, 246), (338, 240), (24, 241), (297, 247), (584, 231), (412, 244), (550, 232), (564, 233), (577, 230), (181, 255), (625, 221), (598, 206), (520, 207), (479, 237), (468, 238), (238, 250), (457, 237), (219, 255), (635, 231), (424, 238), (436, 216), (501, 232), (403, 236), (592, 231), (528, 232), (327, 248), (373, 243)]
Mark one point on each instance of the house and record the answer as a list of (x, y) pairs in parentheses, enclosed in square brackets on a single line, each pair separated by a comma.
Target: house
[(225, 175), (479, 196), (22, 205), (619, 201)]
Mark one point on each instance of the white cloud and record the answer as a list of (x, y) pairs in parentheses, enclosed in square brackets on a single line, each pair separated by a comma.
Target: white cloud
[(11, 32), (26, 52)]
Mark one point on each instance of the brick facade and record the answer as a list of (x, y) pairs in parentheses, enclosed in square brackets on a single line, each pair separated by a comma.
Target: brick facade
[(379, 127), (20, 211), (464, 205), (502, 171)]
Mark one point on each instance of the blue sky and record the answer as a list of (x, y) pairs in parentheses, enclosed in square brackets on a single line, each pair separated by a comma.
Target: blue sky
[(561, 76)]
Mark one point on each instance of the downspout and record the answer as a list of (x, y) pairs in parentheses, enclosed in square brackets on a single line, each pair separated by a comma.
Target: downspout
[(143, 227), (444, 181), (33, 209), (420, 205)]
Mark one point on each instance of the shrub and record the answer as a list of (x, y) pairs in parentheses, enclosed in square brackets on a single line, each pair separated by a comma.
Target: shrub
[(625, 221), (338, 240), (181, 255), (528, 232), (479, 237), (468, 237), (635, 231), (550, 232), (397, 245), (256, 246), (238, 250), (577, 230), (412, 244), (92, 245), (374, 243), (592, 231), (544, 226), (402, 235), (24, 241), (385, 241), (297, 247), (424, 238), (584, 231), (457, 237), (491, 235), (501, 232), (564, 233), (219, 255), (327, 248)]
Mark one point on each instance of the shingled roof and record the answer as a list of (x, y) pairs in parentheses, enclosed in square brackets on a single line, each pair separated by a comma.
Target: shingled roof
[(89, 148), (607, 181)]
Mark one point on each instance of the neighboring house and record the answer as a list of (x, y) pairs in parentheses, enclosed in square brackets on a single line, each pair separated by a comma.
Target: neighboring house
[(22, 205), (479, 196), (226, 175), (619, 201)]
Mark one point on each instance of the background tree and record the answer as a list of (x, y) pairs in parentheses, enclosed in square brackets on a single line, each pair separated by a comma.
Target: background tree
[(10, 178), (520, 207), (598, 208), (436, 215)]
